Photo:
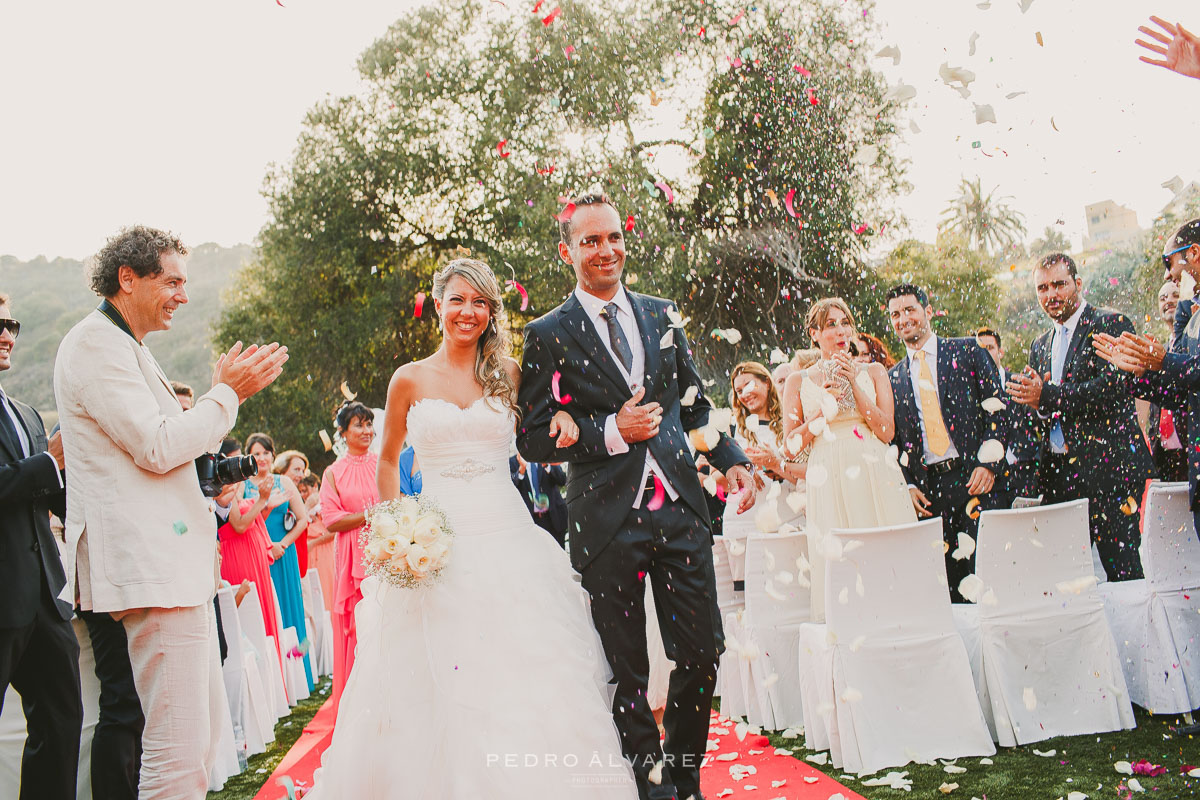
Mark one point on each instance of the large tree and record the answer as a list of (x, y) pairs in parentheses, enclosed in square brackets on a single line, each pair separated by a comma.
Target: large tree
[(985, 220), (474, 121)]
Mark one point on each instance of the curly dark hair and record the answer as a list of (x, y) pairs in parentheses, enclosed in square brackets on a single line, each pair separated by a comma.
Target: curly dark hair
[(137, 247), (350, 411)]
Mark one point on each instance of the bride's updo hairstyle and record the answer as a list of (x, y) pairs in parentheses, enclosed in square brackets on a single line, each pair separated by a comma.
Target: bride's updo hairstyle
[(494, 343), (818, 314)]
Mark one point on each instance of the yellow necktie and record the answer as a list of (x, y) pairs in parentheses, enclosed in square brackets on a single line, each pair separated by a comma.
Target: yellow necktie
[(931, 410)]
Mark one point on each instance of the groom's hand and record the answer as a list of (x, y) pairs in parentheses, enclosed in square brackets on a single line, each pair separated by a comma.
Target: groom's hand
[(638, 423), (738, 479)]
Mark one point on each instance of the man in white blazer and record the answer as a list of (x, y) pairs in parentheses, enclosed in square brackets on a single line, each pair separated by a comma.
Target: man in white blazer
[(141, 540)]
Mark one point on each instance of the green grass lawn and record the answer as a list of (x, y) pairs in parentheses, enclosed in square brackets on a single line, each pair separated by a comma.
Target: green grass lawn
[(1079, 764), (287, 731)]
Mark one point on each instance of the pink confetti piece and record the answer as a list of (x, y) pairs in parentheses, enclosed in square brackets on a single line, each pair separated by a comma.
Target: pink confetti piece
[(420, 304), (1113, 281), (569, 49), (801, 70), (521, 291), (666, 190), (861, 229), (501, 150), (858, 433), (629, 222), (538, 5), (787, 202), (553, 15), (660, 494), (559, 397), (812, 97), (737, 18), (546, 170), (566, 214)]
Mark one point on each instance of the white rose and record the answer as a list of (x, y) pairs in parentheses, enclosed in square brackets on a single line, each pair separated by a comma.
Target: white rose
[(398, 548), (410, 507), (438, 552), (427, 530), (384, 526), (375, 550), (418, 561)]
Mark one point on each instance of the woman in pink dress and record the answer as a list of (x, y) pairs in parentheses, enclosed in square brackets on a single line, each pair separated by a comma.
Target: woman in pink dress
[(347, 490), (321, 549), (246, 550)]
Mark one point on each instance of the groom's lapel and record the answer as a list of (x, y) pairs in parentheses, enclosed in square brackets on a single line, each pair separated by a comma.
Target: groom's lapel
[(575, 320), (649, 333)]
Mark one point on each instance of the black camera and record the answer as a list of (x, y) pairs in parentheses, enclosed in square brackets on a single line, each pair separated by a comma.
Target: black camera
[(216, 471)]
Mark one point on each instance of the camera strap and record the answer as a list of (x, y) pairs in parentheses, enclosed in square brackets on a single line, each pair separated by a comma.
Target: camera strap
[(109, 310)]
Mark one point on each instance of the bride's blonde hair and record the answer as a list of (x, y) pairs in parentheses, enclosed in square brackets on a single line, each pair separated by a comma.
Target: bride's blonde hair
[(495, 342)]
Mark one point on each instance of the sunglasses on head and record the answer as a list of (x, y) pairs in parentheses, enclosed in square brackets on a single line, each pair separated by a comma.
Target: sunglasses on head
[(10, 325)]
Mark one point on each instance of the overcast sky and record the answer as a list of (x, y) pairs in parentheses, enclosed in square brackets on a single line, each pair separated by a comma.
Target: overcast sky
[(169, 113)]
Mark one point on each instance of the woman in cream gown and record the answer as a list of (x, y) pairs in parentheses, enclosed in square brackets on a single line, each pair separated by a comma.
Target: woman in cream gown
[(841, 411)]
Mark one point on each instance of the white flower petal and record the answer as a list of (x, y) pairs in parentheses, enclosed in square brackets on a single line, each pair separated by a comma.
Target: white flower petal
[(991, 451), (993, 404), (689, 396), (971, 587), (1030, 699)]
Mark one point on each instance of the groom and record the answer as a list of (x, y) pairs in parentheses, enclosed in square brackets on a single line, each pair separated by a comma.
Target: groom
[(635, 507)]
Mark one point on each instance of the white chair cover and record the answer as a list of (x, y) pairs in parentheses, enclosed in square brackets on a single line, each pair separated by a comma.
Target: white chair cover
[(1156, 621), (322, 625), (777, 602), (225, 760), (1048, 663), (295, 680), (265, 653), (728, 601), (243, 681), (12, 725), (886, 679)]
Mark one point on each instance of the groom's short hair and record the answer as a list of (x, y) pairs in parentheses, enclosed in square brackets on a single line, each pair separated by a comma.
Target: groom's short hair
[(906, 289), (590, 199)]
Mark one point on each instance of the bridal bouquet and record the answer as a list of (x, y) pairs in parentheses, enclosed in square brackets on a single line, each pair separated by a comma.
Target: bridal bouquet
[(406, 541)]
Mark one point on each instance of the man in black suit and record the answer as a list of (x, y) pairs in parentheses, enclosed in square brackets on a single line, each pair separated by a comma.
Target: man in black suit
[(941, 426), (39, 654), (1166, 428), (539, 487), (619, 363), (1094, 446), (1024, 434)]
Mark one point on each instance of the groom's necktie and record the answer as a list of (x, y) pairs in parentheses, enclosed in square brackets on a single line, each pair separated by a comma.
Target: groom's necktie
[(616, 334), (931, 410)]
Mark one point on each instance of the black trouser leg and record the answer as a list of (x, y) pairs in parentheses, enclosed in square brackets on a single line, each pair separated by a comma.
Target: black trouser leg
[(1115, 533), (41, 660), (672, 546), (1171, 464), (117, 741), (949, 499)]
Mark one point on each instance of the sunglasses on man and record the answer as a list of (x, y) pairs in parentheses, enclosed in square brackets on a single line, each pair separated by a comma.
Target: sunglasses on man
[(10, 325)]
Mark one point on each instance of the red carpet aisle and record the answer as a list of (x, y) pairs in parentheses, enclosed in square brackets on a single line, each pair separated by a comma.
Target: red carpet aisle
[(741, 769)]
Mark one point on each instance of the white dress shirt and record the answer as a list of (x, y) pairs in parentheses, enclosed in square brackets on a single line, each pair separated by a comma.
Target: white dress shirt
[(635, 376), (914, 374), (22, 438), (1062, 339)]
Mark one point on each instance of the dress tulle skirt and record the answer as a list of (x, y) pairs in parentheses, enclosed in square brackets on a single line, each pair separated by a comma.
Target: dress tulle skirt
[(490, 683), (854, 481)]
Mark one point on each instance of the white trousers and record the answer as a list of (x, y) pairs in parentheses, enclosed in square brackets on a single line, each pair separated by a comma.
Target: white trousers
[(177, 672)]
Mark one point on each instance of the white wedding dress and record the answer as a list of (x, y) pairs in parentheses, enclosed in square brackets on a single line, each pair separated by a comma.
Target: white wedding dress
[(491, 682)]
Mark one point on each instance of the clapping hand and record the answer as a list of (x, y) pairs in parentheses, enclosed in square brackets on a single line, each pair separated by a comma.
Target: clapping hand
[(764, 459), (847, 366), (1130, 353), (249, 371), (1026, 387), (1180, 51)]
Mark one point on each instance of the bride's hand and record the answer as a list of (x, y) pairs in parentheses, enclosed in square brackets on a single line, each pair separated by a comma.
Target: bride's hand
[(564, 427), (846, 366)]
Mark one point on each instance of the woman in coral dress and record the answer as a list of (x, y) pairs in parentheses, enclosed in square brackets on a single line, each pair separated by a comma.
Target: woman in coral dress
[(246, 551), (347, 490), (321, 550)]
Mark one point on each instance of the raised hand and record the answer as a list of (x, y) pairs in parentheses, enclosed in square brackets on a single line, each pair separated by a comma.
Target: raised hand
[(638, 423), (1026, 387), (1130, 353), (250, 371), (1179, 50), (738, 479)]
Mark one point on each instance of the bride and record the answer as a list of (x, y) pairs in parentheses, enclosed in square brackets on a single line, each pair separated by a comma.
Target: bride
[(491, 682)]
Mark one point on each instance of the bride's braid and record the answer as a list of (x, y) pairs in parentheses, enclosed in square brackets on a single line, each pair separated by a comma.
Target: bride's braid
[(495, 342)]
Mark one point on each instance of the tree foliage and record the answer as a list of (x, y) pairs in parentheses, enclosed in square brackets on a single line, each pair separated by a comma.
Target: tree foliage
[(983, 219), (473, 122)]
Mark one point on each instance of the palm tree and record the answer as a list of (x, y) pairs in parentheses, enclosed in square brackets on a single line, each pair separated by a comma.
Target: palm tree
[(986, 221), (1052, 240)]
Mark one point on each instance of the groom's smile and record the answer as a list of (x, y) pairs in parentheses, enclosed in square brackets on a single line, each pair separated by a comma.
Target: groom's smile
[(596, 249)]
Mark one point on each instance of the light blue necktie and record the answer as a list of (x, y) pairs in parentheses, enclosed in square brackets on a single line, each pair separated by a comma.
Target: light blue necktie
[(1058, 361)]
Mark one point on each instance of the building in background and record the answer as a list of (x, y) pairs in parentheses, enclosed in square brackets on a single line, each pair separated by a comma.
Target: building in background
[(1109, 225)]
